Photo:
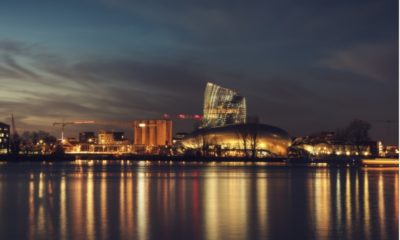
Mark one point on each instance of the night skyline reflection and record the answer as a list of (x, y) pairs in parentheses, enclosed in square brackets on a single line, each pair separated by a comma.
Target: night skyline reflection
[(209, 201)]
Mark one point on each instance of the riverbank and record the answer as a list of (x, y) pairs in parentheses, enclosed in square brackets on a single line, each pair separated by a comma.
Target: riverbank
[(331, 161)]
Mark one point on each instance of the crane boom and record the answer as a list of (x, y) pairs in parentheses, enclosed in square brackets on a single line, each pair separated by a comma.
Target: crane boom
[(63, 124), (14, 129)]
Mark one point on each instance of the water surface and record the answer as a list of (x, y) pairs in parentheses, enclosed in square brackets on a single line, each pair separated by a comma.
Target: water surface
[(142, 200)]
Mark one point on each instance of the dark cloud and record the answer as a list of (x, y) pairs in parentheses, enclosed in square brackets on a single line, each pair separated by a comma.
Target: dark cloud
[(374, 61), (304, 66), (14, 47)]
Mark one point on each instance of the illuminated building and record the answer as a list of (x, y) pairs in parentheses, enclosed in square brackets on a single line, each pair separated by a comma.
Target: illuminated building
[(119, 136), (324, 143), (178, 137), (87, 137), (152, 133), (72, 140), (4, 138), (239, 140), (106, 137), (391, 151), (107, 142), (222, 106)]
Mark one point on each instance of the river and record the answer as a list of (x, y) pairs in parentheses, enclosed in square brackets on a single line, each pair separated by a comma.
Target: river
[(162, 200)]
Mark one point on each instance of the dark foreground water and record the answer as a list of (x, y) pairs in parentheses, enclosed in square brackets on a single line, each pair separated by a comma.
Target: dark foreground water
[(130, 200)]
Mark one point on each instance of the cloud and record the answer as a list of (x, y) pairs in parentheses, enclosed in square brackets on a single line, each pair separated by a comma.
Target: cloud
[(41, 87), (14, 47), (378, 62), (50, 88)]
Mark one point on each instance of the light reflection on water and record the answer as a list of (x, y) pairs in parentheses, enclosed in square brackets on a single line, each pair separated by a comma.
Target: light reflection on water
[(100, 200)]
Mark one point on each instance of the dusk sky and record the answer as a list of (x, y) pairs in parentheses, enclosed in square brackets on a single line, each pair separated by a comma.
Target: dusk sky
[(304, 66)]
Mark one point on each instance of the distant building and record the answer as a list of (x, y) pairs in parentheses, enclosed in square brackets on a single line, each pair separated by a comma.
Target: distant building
[(107, 142), (152, 133), (87, 137), (119, 136), (178, 137), (391, 151), (324, 143), (222, 106), (72, 140), (4, 138), (106, 137)]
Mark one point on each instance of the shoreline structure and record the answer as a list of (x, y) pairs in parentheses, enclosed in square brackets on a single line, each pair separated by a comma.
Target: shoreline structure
[(330, 161)]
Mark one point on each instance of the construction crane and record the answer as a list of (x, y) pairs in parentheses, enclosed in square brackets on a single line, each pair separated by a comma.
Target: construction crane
[(14, 129), (14, 137), (183, 116), (63, 124)]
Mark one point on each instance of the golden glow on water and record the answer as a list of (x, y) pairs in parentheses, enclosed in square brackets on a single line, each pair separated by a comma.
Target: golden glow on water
[(348, 211), (212, 208), (130, 205), (142, 206), (63, 208), (126, 205), (207, 200), (122, 201), (220, 216), (77, 203), (262, 203), (90, 204), (396, 198), (338, 198), (357, 197), (31, 208), (103, 205), (381, 206), (367, 217), (322, 193), (41, 183), (41, 214)]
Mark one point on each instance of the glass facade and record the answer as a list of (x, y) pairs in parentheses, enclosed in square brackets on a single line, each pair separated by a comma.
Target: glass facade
[(4, 138), (222, 106)]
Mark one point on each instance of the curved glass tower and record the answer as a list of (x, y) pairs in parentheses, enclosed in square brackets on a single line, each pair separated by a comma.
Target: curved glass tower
[(222, 106)]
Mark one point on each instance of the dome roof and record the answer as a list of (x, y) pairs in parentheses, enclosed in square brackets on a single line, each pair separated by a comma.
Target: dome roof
[(266, 138), (263, 129)]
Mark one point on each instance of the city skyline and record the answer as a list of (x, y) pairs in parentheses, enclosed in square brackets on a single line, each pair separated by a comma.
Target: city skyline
[(309, 68)]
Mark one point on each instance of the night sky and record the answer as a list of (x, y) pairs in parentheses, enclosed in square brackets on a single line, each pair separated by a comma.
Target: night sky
[(304, 66)]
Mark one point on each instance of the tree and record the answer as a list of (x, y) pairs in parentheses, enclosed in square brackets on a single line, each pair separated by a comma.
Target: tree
[(59, 152), (248, 133), (15, 145), (254, 131), (356, 133), (243, 134), (203, 138), (37, 141)]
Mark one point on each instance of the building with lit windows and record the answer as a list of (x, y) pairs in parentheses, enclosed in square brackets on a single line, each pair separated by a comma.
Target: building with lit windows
[(106, 142), (105, 137), (222, 106), (225, 131), (152, 133), (324, 144), (87, 137), (4, 138)]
